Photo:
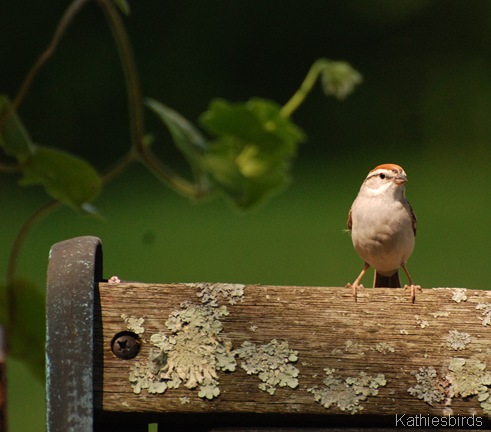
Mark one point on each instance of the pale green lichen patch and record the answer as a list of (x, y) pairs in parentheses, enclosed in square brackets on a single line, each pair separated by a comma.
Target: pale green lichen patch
[(384, 348), (429, 387), (347, 393), (421, 322), (463, 378), (142, 377), (191, 355), (458, 340), (440, 314), (459, 295), (193, 350), (272, 363), (485, 309), (213, 293), (353, 347), (468, 377), (134, 324)]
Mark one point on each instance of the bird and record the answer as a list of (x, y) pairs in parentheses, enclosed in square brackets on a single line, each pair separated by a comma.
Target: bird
[(383, 228)]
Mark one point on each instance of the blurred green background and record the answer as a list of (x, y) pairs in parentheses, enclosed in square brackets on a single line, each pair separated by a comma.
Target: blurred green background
[(425, 104)]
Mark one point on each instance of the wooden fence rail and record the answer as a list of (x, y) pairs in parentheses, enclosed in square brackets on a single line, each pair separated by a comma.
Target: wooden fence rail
[(216, 354)]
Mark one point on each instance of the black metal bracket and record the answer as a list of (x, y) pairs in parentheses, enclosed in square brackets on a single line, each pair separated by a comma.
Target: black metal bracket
[(74, 270)]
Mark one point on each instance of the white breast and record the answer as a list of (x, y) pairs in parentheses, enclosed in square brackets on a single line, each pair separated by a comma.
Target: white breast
[(382, 232)]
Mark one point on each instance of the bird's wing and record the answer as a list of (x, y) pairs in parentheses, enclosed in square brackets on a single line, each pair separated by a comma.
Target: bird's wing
[(414, 219)]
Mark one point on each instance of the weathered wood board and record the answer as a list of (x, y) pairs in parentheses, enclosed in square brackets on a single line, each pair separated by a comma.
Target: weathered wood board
[(382, 336)]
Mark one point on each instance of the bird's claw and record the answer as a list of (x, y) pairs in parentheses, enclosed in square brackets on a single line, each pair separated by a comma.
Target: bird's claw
[(355, 288), (413, 289)]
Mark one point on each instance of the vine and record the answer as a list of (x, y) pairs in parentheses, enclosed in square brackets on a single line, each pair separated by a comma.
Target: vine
[(244, 156)]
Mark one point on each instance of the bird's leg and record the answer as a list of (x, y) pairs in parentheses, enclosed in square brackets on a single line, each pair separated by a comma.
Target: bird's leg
[(356, 284), (411, 286)]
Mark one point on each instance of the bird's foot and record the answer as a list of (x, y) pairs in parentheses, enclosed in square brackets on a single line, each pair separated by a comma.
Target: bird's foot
[(355, 287), (413, 289)]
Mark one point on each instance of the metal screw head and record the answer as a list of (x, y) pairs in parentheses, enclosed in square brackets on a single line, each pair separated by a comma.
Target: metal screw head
[(126, 345)]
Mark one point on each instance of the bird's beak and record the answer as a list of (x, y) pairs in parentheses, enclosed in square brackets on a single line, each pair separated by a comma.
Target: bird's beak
[(400, 178)]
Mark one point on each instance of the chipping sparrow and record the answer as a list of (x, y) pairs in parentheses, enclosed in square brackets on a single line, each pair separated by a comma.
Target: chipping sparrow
[(383, 227)]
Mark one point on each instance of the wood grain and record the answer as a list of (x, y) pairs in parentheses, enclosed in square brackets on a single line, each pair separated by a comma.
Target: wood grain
[(327, 328)]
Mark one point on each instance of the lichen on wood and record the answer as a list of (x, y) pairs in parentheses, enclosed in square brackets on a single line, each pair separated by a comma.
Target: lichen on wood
[(429, 387), (271, 362), (459, 295), (460, 378), (195, 350), (134, 324), (213, 293), (379, 334), (347, 393), (458, 340), (485, 309), (191, 355), (384, 348)]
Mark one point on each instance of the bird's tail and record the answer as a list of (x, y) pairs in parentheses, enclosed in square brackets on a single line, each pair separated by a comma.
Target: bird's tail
[(387, 281)]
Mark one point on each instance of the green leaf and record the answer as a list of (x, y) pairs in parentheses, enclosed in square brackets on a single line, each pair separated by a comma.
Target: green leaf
[(187, 138), (27, 334), (339, 79), (65, 177), (252, 153), (14, 138), (245, 177)]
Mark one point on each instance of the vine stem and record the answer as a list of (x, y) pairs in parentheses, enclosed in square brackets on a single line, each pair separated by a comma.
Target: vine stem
[(130, 72), (66, 19), (14, 256), (305, 88), (139, 149), (63, 24), (39, 214), (143, 151)]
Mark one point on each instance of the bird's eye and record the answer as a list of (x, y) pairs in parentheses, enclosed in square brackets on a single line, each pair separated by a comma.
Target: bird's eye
[(382, 176)]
